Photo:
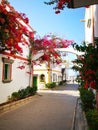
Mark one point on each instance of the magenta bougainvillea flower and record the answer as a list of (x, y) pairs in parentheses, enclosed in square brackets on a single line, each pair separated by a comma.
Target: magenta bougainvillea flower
[(87, 65), (59, 4), (11, 29), (12, 33)]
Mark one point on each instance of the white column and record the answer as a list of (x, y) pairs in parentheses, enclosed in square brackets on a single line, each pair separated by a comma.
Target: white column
[(89, 25), (96, 21)]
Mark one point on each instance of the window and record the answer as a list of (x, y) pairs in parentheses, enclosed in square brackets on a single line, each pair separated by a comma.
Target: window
[(7, 70), (54, 77), (59, 78), (89, 23), (42, 78)]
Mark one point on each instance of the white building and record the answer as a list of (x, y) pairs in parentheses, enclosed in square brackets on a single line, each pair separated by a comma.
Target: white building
[(15, 73), (46, 73), (91, 23), (14, 70)]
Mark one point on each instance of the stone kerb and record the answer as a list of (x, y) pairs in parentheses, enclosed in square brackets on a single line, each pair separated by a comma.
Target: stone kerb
[(13, 105)]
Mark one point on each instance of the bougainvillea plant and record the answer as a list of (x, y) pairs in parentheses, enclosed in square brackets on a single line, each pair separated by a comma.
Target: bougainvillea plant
[(59, 4), (12, 33), (87, 65), (11, 29), (48, 45)]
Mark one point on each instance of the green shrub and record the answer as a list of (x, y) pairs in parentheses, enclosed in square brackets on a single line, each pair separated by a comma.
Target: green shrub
[(64, 81), (33, 90), (60, 83), (15, 96), (53, 84), (87, 98), (27, 91), (50, 85), (23, 93), (47, 85), (92, 119)]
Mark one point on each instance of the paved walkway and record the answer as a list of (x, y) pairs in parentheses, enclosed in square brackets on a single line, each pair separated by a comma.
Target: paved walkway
[(48, 110)]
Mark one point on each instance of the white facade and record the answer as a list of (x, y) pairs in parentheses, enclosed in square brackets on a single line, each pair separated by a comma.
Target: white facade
[(52, 74), (20, 79), (91, 23), (12, 77), (96, 21)]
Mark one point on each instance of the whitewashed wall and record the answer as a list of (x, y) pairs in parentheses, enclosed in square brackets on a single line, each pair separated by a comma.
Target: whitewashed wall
[(91, 30), (96, 21), (20, 79)]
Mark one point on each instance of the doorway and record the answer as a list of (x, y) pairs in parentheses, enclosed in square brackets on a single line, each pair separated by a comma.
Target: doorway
[(35, 81)]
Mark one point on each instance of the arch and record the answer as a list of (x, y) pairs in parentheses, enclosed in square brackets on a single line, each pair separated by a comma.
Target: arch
[(42, 78), (70, 50)]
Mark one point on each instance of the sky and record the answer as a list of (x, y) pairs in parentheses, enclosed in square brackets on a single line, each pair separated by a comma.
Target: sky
[(43, 20)]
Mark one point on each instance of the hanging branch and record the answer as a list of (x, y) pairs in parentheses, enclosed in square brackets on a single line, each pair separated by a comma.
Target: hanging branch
[(59, 4)]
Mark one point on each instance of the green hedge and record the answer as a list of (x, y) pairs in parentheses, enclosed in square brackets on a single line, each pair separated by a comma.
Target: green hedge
[(88, 103), (62, 82), (50, 85), (23, 93), (92, 119), (87, 98)]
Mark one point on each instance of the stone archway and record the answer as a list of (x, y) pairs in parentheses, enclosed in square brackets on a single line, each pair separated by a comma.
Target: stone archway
[(70, 74)]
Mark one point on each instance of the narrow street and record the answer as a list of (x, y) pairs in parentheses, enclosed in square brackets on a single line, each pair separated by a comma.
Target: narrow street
[(48, 110)]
